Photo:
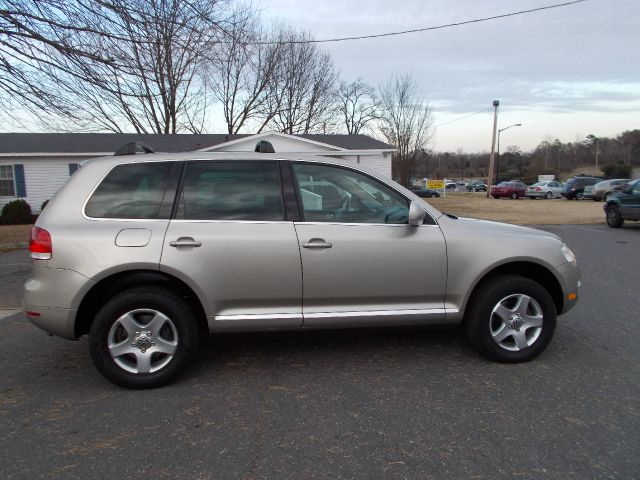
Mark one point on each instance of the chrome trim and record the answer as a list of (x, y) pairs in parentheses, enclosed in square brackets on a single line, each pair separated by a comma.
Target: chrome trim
[(370, 224), (270, 316), (362, 313), (182, 220), (381, 313)]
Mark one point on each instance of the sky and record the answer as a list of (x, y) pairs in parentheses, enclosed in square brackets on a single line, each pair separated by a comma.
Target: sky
[(562, 73)]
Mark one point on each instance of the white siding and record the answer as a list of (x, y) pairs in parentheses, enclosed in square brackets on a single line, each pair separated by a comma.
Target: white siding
[(43, 177), (280, 144), (378, 163)]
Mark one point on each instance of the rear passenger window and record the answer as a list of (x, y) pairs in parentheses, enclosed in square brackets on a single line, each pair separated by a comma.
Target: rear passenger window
[(231, 191), (133, 190)]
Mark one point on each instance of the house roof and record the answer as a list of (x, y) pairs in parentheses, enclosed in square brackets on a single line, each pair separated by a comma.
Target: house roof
[(25, 143)]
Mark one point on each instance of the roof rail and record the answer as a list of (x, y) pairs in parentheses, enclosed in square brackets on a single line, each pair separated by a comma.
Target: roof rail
[(264, 147), (131, 148)]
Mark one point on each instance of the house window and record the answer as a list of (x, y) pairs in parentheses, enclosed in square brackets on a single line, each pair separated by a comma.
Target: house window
[(7, 184)]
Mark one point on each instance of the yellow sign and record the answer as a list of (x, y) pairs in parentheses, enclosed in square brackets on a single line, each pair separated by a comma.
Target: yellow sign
[(435, 184)]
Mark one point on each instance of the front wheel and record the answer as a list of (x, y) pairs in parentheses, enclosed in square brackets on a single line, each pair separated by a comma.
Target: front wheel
[(143, 337), (548, 196), (514, 196), (614, 218), (496, 197), (510, 319), (579, 195)]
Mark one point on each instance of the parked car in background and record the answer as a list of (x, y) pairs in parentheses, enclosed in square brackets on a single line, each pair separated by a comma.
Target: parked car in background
[(602, 190), (574, 188), (147, 253), (623, 205), (476, 186), (545, 189), (511, 190), (425, 192), (450, 185)]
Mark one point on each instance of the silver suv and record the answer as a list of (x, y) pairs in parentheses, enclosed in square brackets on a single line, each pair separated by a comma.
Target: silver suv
[(144, 253)]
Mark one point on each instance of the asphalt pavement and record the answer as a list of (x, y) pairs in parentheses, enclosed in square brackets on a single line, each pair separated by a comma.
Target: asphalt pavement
[(365, 404)]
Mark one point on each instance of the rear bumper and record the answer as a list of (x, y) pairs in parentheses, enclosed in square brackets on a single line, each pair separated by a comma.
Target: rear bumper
[(56, 321), (52, 297)]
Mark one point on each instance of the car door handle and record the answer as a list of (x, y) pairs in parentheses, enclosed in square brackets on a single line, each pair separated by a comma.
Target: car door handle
[(317, 243), (185, 242)]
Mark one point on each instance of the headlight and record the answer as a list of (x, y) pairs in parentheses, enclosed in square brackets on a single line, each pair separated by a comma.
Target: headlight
[(568, 254)]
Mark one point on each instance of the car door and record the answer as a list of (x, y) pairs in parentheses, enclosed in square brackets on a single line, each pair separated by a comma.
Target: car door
[(555, 189), (362, 263), (630, 202), (230, 242)]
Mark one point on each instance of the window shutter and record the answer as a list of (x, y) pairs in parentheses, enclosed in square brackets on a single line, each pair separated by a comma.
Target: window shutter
[(72, 168), (21, 187)]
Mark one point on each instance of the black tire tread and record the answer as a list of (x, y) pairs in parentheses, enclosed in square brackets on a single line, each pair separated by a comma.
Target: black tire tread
[(485, 297), (181, 314)]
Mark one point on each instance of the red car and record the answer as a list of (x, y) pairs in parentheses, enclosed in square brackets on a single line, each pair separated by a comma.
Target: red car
[(509, 189)]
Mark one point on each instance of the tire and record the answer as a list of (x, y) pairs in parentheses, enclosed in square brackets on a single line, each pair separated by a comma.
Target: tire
[(518, 338), (548, 196), (607, 196), (579, 196), (496, 197), (514, 196), (614, 218), (437, 195), (135, 322)]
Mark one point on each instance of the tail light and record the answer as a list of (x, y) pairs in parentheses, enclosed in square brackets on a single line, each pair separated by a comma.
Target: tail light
[(538, 189), (40, 244)]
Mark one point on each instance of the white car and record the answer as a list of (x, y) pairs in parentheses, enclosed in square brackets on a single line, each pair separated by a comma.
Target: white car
[(545, 189)]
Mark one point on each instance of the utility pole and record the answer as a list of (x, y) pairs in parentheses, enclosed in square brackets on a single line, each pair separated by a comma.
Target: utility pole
[(597, 151), (493, 147)]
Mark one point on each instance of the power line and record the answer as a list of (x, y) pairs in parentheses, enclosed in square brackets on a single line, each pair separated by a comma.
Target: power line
[(425, 29), (462, 118)]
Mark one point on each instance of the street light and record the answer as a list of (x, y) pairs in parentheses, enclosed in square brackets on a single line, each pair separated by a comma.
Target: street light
[(498, 153)]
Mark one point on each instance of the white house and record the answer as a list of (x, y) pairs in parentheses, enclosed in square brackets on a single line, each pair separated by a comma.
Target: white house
[(33, 166)]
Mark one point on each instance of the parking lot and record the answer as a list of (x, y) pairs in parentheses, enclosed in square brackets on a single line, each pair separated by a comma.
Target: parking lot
[(414, 403)]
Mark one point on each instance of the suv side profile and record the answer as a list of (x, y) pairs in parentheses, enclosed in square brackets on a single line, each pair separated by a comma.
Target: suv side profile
[(574, 187), (145, 253)]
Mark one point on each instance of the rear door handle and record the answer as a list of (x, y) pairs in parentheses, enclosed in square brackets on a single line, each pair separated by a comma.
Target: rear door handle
[(317, 243), (185, 242)]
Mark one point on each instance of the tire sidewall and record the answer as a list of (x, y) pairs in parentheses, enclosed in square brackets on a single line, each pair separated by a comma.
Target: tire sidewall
[(478, 323), (158, 299)]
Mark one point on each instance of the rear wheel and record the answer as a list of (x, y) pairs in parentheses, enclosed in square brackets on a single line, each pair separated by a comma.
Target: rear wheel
[(496, 197), (514, 196), (510, 319), (579, 195), (614, 219), (548, 196), (143, 337)]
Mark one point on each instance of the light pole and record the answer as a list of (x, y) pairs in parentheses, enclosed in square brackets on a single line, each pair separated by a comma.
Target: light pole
[(498, 153)]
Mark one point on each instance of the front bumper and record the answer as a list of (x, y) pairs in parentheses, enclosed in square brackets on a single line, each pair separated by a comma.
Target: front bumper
[(569, 276)]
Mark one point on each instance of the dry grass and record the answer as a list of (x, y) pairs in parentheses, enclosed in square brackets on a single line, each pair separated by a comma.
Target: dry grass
[(11, 234), (523, 211)]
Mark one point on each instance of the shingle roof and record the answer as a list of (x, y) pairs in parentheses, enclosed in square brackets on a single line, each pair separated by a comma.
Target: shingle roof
[(110, 142)]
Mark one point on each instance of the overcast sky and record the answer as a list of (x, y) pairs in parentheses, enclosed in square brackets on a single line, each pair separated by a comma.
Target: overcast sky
[(563, 73)]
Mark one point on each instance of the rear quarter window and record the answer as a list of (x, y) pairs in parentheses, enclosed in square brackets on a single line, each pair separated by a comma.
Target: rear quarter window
[(133, 191)]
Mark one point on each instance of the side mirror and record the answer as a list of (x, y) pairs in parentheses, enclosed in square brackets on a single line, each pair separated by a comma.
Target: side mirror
[(416, 213)]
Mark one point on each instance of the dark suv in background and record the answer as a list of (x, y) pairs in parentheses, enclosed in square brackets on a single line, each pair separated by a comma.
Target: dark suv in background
[(574, 187)]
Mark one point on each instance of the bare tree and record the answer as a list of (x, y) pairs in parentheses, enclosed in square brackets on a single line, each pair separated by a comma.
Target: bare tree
[(243, 72), (301, 93), (131, 64), (357, 106), (406, 121)]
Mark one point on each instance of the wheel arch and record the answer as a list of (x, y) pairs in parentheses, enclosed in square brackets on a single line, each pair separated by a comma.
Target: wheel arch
[(117, 282), (527, 269)]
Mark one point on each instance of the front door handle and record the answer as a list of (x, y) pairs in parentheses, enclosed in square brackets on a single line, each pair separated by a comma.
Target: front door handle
[(317, 243), (185, 242)]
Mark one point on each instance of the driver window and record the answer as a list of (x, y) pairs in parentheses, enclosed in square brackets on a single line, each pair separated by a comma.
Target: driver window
[(334, 194)]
